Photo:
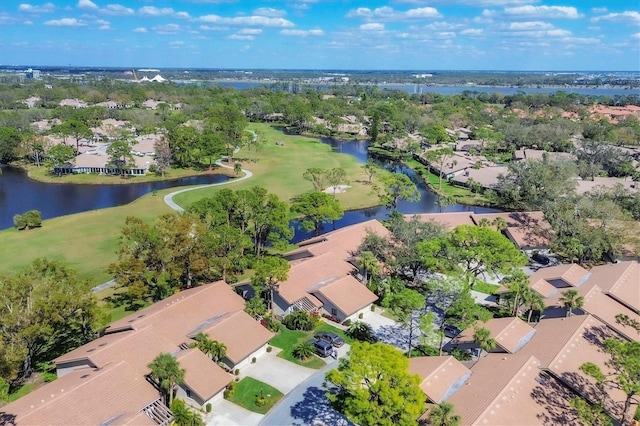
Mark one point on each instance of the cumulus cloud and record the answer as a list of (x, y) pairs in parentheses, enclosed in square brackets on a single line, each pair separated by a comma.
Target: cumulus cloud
[(45, 8), (478, 3), (472, 32), (635, 35), (530, 25), (630, 17), (244, 37), (140, 30), (250, 31), (87, 4), (387, 13), (269, 12), (372, 26), (103, 25), (116, 10), (552, 12), (257, 21), (167, 29), (155, 11), (303, 33), (66, 22)]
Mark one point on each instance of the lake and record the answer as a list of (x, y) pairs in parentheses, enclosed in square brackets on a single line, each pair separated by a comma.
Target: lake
[(19, 193)]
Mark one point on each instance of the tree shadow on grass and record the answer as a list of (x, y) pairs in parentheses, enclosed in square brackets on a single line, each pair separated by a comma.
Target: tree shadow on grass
[(314, 409)]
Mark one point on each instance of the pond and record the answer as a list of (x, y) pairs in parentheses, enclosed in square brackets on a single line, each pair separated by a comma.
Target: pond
[(19, 193)]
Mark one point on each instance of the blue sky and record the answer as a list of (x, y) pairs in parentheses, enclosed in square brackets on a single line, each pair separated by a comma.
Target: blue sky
[(324, 34)]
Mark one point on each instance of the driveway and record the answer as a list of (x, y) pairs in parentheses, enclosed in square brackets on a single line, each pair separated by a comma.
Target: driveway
[(387, 330), (306, 405), (277, 372), (227, 413)]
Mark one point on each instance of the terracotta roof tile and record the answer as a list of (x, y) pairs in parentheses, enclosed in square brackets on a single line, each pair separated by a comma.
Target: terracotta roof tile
[(525, 229), (510, 333), (441, 375), (202, 375), (347, 294), (85, 397), (572, 274), (241, 334), (449, 220)]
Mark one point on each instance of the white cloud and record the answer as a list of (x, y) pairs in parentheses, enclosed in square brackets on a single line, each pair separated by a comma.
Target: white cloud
[(303, 33), (117, 10), (389, 14), (183, 15), (635, 35), (530, 25), (250, 31), (631, 17), (599, 10), (167, 29), (258, 21), (472, 32), (211, 28), (269, 12), (45, 8), (27, 22), (478, 3), (558, 33), (140, 30), (241, 37), (372, 26), (66, 22), (551, 12), (103, 25), (155, 11), (176, 43), (87, 4)]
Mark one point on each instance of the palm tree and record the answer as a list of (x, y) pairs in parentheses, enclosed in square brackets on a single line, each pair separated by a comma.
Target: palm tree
[(533, 301), (369, 265), (213, 349), (482, 337), (572, 300), (166, 371), (518, 284), (499, 223), (303, 351), (443, 415)]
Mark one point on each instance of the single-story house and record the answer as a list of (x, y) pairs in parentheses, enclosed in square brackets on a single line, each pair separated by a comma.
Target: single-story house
[(204, 380)]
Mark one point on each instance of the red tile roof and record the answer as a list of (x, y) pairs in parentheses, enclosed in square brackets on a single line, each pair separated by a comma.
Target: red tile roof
[(440, 375), (202, 375)]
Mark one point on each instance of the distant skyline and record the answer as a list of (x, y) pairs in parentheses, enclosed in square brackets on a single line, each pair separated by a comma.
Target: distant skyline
[(550, 35)]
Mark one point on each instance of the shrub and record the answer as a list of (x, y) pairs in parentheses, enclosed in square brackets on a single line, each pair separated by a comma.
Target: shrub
[(347, 322), (237, 372), (253, 360), (272, 325), (461, 355), (208, 407), (299, 320), (28, 220), (361, 331), (231, 388), (373, 308), (303, 350), (360, 315), (261, 401), (269, 349)]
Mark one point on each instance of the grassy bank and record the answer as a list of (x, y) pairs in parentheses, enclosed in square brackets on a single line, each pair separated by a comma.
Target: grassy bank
[(279, 168), (459, 194)]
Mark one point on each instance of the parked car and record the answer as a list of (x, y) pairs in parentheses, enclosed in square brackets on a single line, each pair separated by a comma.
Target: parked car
[(335, 340), (451, 331), (540, 258), (323, 349)]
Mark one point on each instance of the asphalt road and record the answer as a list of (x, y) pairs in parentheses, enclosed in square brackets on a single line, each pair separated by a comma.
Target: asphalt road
[(306, 405)]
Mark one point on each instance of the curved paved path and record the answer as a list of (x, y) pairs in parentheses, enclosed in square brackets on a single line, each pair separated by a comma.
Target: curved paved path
[(168, 199)]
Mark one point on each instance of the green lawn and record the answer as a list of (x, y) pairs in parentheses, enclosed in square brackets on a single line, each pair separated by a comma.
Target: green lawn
[(486, 288), (288, 339), (247, 392), (279, 168)]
